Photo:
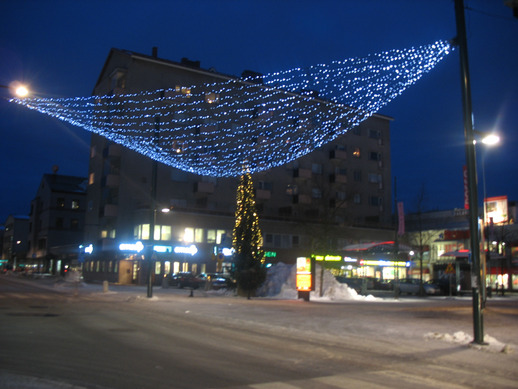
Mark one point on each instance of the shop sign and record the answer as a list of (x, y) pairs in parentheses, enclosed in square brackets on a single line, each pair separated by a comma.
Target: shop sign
[(191, 250), (385, 263), (305, 272), (327, 258), (138, 247), (162, 249)]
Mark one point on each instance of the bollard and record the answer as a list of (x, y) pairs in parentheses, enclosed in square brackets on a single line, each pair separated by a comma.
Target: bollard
[(105, 286)]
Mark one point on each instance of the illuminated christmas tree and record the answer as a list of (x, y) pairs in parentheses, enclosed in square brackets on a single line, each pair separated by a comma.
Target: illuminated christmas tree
[(247, 240)]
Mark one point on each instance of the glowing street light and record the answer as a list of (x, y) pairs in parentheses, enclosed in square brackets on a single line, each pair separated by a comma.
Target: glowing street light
[(17, 89)]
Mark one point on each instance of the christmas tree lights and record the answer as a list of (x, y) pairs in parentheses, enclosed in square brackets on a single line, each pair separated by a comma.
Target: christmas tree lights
[(247, 238), (216, 128)]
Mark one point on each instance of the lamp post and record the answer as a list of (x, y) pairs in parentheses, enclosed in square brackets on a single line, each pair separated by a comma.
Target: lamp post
[(490, 140), (472, 173)]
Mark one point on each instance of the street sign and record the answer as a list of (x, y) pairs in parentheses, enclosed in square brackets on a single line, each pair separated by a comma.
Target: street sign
[(450, 269)]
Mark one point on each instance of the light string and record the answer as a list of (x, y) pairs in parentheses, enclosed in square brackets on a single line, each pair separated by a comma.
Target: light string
[(215, 129)]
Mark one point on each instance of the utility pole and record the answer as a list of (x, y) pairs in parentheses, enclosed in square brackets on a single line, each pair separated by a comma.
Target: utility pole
[(472, 174)]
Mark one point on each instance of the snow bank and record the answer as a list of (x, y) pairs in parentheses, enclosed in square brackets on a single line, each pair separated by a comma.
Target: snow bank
[(461, 337), (280, 283)]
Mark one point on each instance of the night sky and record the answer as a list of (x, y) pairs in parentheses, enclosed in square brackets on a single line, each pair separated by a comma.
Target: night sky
[(59, 48)]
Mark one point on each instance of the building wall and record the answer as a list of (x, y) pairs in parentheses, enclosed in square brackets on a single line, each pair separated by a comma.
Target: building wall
[(339, 193), (57, 219)]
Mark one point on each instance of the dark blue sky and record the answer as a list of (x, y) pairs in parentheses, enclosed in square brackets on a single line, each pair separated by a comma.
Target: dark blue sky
[(59, 48)]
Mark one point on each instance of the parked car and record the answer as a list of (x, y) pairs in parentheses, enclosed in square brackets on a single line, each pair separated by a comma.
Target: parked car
[(186, 280), (219, 281), (411, 286)]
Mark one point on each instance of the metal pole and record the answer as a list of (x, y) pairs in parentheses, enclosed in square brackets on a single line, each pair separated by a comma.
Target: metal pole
[(472, 173), (151, 269)]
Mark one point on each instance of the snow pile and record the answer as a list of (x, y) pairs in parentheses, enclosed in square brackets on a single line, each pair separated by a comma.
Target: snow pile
[(280, 283), (461, 337)]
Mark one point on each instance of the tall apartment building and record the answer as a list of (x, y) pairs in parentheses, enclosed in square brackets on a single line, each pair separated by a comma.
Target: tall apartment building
[(56, 222), (336, 195)]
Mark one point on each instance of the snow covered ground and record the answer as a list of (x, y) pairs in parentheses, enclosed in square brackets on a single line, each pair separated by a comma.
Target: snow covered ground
[(280, 285)]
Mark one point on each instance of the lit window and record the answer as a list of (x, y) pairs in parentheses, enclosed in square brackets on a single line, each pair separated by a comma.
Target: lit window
[(188, 235), (166, 233), (211, 97), (211, 236), (356, 152), (75, 204), (61, 202), (198, 235), (221, 236), (91, 178)]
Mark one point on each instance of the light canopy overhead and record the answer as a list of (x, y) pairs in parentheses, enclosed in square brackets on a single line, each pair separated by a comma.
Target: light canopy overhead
[(222, 128)]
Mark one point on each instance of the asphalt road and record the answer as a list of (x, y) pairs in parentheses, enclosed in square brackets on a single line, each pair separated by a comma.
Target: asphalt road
[(67, 338)]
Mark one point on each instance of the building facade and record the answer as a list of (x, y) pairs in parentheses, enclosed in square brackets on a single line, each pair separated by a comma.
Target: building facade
[(14, 247), (56, 222), (336, 195), (441, 240)]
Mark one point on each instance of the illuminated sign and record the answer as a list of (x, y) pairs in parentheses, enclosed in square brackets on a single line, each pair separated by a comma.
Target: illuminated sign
[(327, 258), (192, 249), (495, 210), (304, 277), (138, 247), (87, 249), (270, 254), (385, 263), (163, 249), (227, 252)]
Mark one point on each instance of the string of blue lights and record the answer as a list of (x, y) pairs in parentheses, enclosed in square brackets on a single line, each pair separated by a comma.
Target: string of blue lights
[(217, 129)]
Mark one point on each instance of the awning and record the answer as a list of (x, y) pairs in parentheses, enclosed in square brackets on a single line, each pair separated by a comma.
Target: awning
[(457, 254)]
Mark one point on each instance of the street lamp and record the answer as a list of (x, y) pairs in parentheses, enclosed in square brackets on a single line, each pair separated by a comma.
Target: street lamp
[(469, 135), (489, 139), (17, 89)]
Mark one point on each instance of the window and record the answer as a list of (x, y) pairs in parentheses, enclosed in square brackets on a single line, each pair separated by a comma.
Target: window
[(211, 97), (357, 175), (356, 152), (374, 134), (91, 178), (198, 235), (61, 202), (316, 168), (374, 156), (316, 193), (374, 178), (59, 223), (75, 204), (141, 231), (74, 224), (183, 90), (292, 190), (211, 236), (357, 198), (164, 232), (188, 235), (375, 200), (264, 185)]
